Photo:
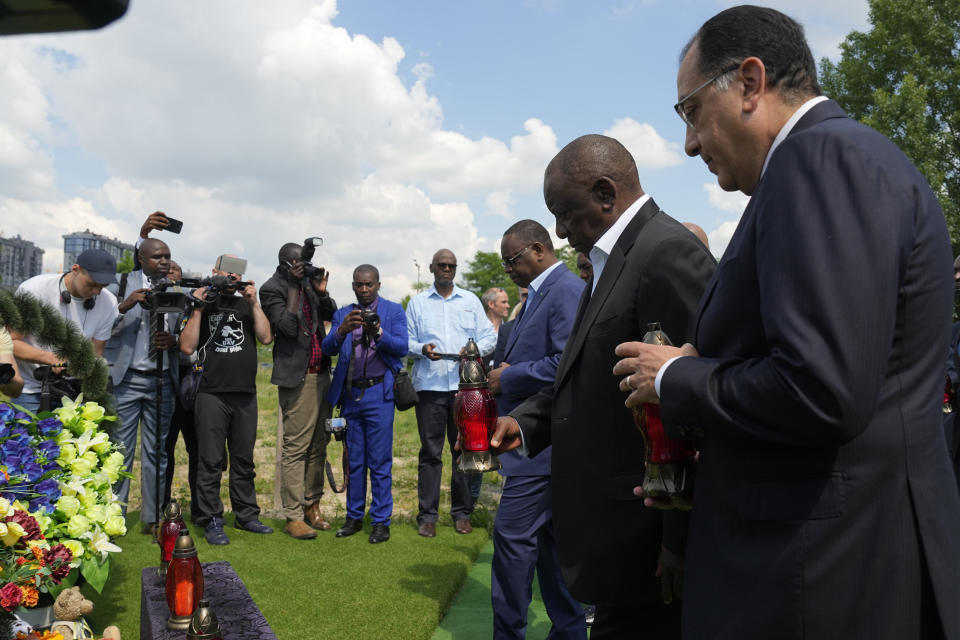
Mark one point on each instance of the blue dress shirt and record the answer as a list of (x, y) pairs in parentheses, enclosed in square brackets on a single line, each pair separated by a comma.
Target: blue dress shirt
[(447, 323)]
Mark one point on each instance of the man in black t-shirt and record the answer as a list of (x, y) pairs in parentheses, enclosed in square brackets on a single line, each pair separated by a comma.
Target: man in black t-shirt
[(224, 332)]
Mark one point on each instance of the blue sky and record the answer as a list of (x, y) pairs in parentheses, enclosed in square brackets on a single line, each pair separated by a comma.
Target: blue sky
[(389, 128)]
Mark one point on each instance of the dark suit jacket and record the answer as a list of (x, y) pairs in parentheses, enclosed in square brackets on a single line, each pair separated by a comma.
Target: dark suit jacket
[(608, 542), (533, 348), (391, 346), (291, 335), (824, 492)]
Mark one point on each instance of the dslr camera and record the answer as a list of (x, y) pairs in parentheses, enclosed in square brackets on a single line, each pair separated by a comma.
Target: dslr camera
[(306, 255), (370, 321)]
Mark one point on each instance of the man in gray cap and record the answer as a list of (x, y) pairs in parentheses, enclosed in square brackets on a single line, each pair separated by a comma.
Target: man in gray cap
[(80, 297)]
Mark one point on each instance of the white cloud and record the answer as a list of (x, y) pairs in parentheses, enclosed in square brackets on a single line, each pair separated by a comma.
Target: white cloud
[(649, 149), (730, 201), (733, 201), (254, 127)]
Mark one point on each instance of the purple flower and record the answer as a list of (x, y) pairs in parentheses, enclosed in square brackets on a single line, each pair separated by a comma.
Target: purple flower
[(41, 503), (6, 412), (49, 427), (32, 471), (50, 466), (20, 415), (49, 450), (49, 488)]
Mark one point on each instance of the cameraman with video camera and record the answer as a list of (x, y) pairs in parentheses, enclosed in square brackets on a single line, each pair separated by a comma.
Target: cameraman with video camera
[(371, 338), (222, 327), (296, 302), (131, 353)]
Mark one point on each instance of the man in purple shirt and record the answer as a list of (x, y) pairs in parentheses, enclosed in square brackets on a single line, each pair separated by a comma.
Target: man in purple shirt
[(370, 338)]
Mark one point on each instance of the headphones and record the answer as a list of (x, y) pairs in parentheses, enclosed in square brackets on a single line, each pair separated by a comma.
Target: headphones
[(65, 296)]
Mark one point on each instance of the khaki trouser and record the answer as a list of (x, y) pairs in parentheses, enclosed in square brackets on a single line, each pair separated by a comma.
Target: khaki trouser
[(303, 452)]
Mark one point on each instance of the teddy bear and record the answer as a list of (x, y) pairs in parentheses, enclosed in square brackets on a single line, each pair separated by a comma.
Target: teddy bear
[(69, 609)]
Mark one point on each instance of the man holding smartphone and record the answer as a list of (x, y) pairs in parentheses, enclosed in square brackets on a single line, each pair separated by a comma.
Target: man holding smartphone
[(222, 328), (297, 307)]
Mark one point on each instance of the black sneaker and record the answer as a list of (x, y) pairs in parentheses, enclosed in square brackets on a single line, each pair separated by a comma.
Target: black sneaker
[(254, 526), (213, 532), (350, 527), (381, 533)]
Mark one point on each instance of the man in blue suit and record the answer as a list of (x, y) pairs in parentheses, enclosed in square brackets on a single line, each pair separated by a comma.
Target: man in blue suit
[(523, 531), (370, 338)]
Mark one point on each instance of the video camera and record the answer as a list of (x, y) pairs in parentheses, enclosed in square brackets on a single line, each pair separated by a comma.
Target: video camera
[(306, 255), (6, 372), (165, 296)]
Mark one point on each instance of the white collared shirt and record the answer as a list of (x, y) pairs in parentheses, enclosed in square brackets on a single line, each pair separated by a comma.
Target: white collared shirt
[(604, 245)]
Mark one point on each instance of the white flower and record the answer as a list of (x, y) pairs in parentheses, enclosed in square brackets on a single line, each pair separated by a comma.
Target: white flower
[(88, 440), (100, 542)]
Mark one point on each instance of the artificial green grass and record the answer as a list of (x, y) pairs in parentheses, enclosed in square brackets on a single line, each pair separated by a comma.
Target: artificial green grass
[(471, 616), (323, 588)]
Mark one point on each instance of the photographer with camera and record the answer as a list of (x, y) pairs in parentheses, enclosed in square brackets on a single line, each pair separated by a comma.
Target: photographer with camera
[(371, 338), (79, 296), (131, 354), (221, 328), (296, 302)]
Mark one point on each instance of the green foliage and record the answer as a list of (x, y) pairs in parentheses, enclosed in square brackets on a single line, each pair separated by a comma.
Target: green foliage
[(902, 79), (125, 264), (485, 271), (95, 572)]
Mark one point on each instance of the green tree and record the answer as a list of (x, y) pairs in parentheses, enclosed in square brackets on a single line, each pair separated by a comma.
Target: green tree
[(568, 255), (485, 271), (125, 264), (902, 79)]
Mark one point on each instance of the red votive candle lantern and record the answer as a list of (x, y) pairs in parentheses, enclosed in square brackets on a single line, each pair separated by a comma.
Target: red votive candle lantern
[(670, 466), (168, 532), (184, 582), (475, 412)]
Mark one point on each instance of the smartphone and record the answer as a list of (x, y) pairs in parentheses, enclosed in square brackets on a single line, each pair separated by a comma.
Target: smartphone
[(229, 264), (173, 225)]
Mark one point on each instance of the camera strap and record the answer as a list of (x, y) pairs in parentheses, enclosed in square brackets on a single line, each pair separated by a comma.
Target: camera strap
[(121, 292)]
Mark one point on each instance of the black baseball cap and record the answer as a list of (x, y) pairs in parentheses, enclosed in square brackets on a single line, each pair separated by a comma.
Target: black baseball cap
[(101, 266)]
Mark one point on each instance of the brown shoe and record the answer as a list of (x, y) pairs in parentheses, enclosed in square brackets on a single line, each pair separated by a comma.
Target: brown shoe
[(299, 530), (313, 518), (462, 525), (148, 529), (427, 530)]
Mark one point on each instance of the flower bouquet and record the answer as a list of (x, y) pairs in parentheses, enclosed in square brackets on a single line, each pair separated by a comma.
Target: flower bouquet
[(62, 466)]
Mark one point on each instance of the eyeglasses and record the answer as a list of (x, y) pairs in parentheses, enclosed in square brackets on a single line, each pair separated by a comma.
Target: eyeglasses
[(509, 262), (679, 106), (450, 266)]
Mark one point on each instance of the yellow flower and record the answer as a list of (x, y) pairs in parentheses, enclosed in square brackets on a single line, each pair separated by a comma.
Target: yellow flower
[(96, 513), (5, 508), (77, 526), (115, 526), (81, 466), (92, 411), (68, 453), (76, 549), (10, 533)]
